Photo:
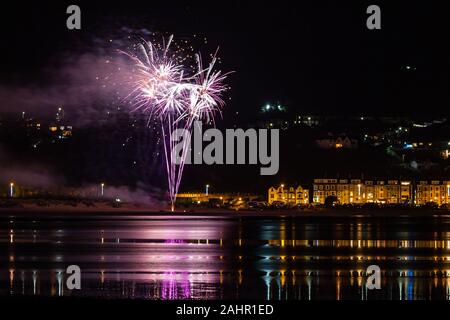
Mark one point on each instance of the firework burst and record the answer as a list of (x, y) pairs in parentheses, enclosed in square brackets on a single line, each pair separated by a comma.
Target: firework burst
[(176, 94)]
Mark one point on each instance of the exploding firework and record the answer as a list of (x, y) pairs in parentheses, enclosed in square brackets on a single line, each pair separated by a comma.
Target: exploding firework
[(166, 88)]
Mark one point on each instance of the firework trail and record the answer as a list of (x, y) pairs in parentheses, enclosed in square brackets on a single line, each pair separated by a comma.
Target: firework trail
[(177, 95)]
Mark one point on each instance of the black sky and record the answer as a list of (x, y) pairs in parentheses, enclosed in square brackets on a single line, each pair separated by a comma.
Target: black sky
[(313, 56)]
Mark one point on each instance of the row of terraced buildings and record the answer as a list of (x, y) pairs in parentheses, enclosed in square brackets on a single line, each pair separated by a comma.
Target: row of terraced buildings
[(359, 191)]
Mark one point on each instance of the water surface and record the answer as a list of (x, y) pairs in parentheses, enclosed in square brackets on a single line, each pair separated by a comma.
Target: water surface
[(160, 257)]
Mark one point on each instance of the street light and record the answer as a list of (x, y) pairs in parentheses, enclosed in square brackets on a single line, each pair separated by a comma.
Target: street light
[(207, 189), (103, 188), (11, 189)]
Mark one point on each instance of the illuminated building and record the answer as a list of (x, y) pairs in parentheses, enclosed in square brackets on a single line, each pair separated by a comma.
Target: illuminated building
[(66, 131), (357, 191), (354, 191), (324, 188), (331, 142), (288, 195), (434, 191), (214, 198), (58, 128), (61, 132)]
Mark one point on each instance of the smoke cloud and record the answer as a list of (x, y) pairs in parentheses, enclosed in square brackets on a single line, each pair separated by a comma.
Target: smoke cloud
[(87, 86), (39, 176)]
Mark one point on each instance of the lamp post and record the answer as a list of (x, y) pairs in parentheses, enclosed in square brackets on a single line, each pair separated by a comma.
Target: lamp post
[(207, 189), (103, 188), (11, 189)]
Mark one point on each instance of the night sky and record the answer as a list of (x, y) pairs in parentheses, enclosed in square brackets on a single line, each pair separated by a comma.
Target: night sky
[(312, 56)]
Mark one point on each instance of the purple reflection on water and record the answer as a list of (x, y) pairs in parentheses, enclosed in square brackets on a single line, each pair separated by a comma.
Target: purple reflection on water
[(176, 286), (174, 241)]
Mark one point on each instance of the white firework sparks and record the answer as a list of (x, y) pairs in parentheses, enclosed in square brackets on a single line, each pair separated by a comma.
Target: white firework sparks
[(176, 95)]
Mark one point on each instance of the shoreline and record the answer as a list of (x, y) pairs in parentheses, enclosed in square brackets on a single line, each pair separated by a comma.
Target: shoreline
[(83, 212)]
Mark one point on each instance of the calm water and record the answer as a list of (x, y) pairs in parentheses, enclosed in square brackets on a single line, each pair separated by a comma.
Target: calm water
[(221, 258)]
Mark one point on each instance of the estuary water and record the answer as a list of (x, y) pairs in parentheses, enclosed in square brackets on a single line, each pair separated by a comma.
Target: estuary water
[(225, 257)]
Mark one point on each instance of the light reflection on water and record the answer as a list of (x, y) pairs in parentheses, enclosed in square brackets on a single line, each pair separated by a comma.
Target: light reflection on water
[(213, 258)]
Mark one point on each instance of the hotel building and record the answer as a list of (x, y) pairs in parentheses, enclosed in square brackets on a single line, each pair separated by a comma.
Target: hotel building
[(288, 195), (357, 191), (433, 191)]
